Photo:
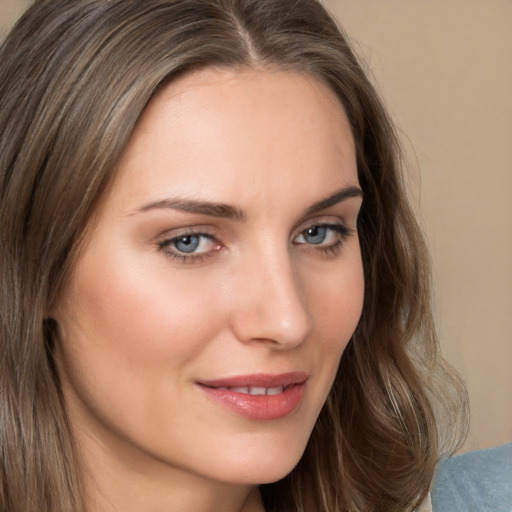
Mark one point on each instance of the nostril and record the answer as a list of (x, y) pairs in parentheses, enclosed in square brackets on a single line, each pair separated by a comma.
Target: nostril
[(281, 323), (269, 301)]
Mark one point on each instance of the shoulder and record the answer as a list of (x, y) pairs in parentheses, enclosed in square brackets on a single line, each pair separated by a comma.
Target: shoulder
[(479, 481)]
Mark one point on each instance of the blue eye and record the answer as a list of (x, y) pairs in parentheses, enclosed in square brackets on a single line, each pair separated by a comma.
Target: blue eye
[(187, 244), (324, 239), (324, 235), (315, 235), (191, 243)]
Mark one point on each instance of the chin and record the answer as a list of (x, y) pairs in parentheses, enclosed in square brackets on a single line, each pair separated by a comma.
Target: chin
[(263, 465)]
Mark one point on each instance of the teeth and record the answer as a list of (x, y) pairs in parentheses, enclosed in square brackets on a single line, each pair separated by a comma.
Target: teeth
[(275, 391), (257, 391), (240, 390)]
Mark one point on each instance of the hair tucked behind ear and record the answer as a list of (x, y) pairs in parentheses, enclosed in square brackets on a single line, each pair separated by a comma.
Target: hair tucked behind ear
[(75, 76)]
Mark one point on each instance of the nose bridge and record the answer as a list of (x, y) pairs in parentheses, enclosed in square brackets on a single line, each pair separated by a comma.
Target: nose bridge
[(272, 305)]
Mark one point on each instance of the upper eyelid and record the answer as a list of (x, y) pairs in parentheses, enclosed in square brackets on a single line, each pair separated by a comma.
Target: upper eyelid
[(188, 233), (325, 220), (171, 234), (344, 231), (167, 242)]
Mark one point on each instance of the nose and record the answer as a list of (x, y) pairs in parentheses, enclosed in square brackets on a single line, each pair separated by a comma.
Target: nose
[(270, 304)]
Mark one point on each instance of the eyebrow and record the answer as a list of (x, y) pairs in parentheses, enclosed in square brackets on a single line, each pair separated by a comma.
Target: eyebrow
[(337, 197), (221, 210), (227, 211)]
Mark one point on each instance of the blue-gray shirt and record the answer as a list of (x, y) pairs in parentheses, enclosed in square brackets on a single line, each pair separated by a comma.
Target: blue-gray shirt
[(479, 481)]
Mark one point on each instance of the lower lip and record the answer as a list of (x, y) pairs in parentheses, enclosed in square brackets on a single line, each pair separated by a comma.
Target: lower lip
[(259, 407)]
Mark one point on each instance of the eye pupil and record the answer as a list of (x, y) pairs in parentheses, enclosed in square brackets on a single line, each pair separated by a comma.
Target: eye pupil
[(187, 243), (315, 235)]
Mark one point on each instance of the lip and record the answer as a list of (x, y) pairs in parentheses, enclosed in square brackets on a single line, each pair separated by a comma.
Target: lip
[(261, 406)]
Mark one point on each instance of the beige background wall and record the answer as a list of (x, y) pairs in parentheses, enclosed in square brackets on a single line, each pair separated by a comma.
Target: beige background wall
[(445, 71)]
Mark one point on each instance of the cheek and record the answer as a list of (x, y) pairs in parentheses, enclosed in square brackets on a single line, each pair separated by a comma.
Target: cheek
[(128, 336), (136, 316), (337, 302)]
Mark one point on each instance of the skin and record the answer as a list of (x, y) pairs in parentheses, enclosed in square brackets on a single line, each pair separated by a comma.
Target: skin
[(140, 323)]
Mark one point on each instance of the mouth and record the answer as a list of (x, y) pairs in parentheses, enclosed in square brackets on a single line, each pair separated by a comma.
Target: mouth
[(255, 390), (259, 396)]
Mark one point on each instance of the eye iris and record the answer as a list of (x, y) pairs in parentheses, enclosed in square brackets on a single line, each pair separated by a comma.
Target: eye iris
[(315, 235), (187, 243)]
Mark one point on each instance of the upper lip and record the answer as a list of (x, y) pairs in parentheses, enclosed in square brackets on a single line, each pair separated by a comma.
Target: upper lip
[(263, 380)]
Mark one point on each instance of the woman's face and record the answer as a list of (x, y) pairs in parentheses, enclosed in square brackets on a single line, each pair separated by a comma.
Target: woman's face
[(203, 324)]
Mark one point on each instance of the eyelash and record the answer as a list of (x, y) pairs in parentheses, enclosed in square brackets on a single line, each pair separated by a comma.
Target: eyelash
[(341, 230), (166, 247)]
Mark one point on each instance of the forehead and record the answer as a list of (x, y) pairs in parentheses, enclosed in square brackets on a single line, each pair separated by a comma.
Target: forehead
[(234, 132)]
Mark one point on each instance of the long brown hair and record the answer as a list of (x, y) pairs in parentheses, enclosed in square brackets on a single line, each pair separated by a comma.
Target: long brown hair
[(75, 76)]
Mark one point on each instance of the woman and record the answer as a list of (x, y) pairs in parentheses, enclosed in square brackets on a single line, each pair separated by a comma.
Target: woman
[(185, 321)]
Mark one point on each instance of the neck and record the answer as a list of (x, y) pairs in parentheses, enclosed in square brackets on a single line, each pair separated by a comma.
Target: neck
[(119, 494), (119, 482)]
